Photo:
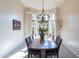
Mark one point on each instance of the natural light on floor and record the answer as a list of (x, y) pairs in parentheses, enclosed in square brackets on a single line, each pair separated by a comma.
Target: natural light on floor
[(20, 54)]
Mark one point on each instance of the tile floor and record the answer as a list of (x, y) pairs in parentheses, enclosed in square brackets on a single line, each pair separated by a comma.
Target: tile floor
[(21, 52)]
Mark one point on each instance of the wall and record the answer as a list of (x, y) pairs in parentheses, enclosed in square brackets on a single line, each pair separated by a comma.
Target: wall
[(28, 23), (9, 39), (70, 25)]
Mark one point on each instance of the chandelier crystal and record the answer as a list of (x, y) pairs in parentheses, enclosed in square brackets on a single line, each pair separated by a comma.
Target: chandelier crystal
[(42, 15)]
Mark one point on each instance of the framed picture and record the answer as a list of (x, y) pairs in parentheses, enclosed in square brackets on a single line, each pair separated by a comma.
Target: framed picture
[(16, 24)]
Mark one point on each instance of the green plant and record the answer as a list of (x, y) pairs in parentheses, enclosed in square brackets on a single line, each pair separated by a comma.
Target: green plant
[(43, 23), (43, 29)]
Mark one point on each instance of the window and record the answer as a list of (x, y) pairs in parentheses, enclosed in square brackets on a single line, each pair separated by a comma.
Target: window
[(50, 24)]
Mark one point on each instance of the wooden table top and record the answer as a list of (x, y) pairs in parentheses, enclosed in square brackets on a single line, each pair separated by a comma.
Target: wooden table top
[(47, 44)]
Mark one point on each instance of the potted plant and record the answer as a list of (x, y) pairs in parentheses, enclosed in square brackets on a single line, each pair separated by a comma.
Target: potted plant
[(42, 33)]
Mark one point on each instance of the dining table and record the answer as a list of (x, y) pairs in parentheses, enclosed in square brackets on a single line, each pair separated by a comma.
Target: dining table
[(44, 45)]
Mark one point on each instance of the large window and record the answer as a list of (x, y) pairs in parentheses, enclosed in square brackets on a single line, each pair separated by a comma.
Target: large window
[(49, 24)]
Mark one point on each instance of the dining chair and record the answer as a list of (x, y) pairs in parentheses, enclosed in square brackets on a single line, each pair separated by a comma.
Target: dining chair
[(57, 40), (50, 52), (32, 38), (32, 51), (54, 51), (58, 43), (28, 41)]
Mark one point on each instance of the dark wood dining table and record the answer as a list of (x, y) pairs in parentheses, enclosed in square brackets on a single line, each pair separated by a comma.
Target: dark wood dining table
[(43, 46)]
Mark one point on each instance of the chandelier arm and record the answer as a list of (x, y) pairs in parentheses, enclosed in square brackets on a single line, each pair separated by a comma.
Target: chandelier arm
[(43, 11), (43, 4)]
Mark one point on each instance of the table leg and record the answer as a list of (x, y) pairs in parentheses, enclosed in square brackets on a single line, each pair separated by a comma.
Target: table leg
[(42, 53)]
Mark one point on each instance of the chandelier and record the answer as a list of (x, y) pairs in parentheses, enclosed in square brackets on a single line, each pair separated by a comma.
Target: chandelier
[(42, 16)]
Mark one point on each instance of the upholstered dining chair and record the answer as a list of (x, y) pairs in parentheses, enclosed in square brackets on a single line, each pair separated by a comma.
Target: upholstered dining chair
[(32, 38), (58, 43), (28, 41)]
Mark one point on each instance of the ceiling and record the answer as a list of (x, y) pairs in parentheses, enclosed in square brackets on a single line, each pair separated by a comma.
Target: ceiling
[(38, 4)]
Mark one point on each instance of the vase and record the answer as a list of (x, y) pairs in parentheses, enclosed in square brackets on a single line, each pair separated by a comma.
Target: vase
[(42, 37)]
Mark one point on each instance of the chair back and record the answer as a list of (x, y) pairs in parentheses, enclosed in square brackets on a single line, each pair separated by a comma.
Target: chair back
[(29, 38), (32, 38), (58, 42), (28, 41)]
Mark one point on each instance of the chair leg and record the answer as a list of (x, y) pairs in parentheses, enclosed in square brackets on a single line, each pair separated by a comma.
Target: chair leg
[(28, 56), (57, 56), (45, 56), (40, 55)]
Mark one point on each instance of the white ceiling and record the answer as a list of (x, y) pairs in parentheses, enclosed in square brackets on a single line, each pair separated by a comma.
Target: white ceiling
[(38, 4)]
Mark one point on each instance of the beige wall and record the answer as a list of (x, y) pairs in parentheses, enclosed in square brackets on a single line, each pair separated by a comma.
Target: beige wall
[(70, 25), (9, 39), (57, 20)]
